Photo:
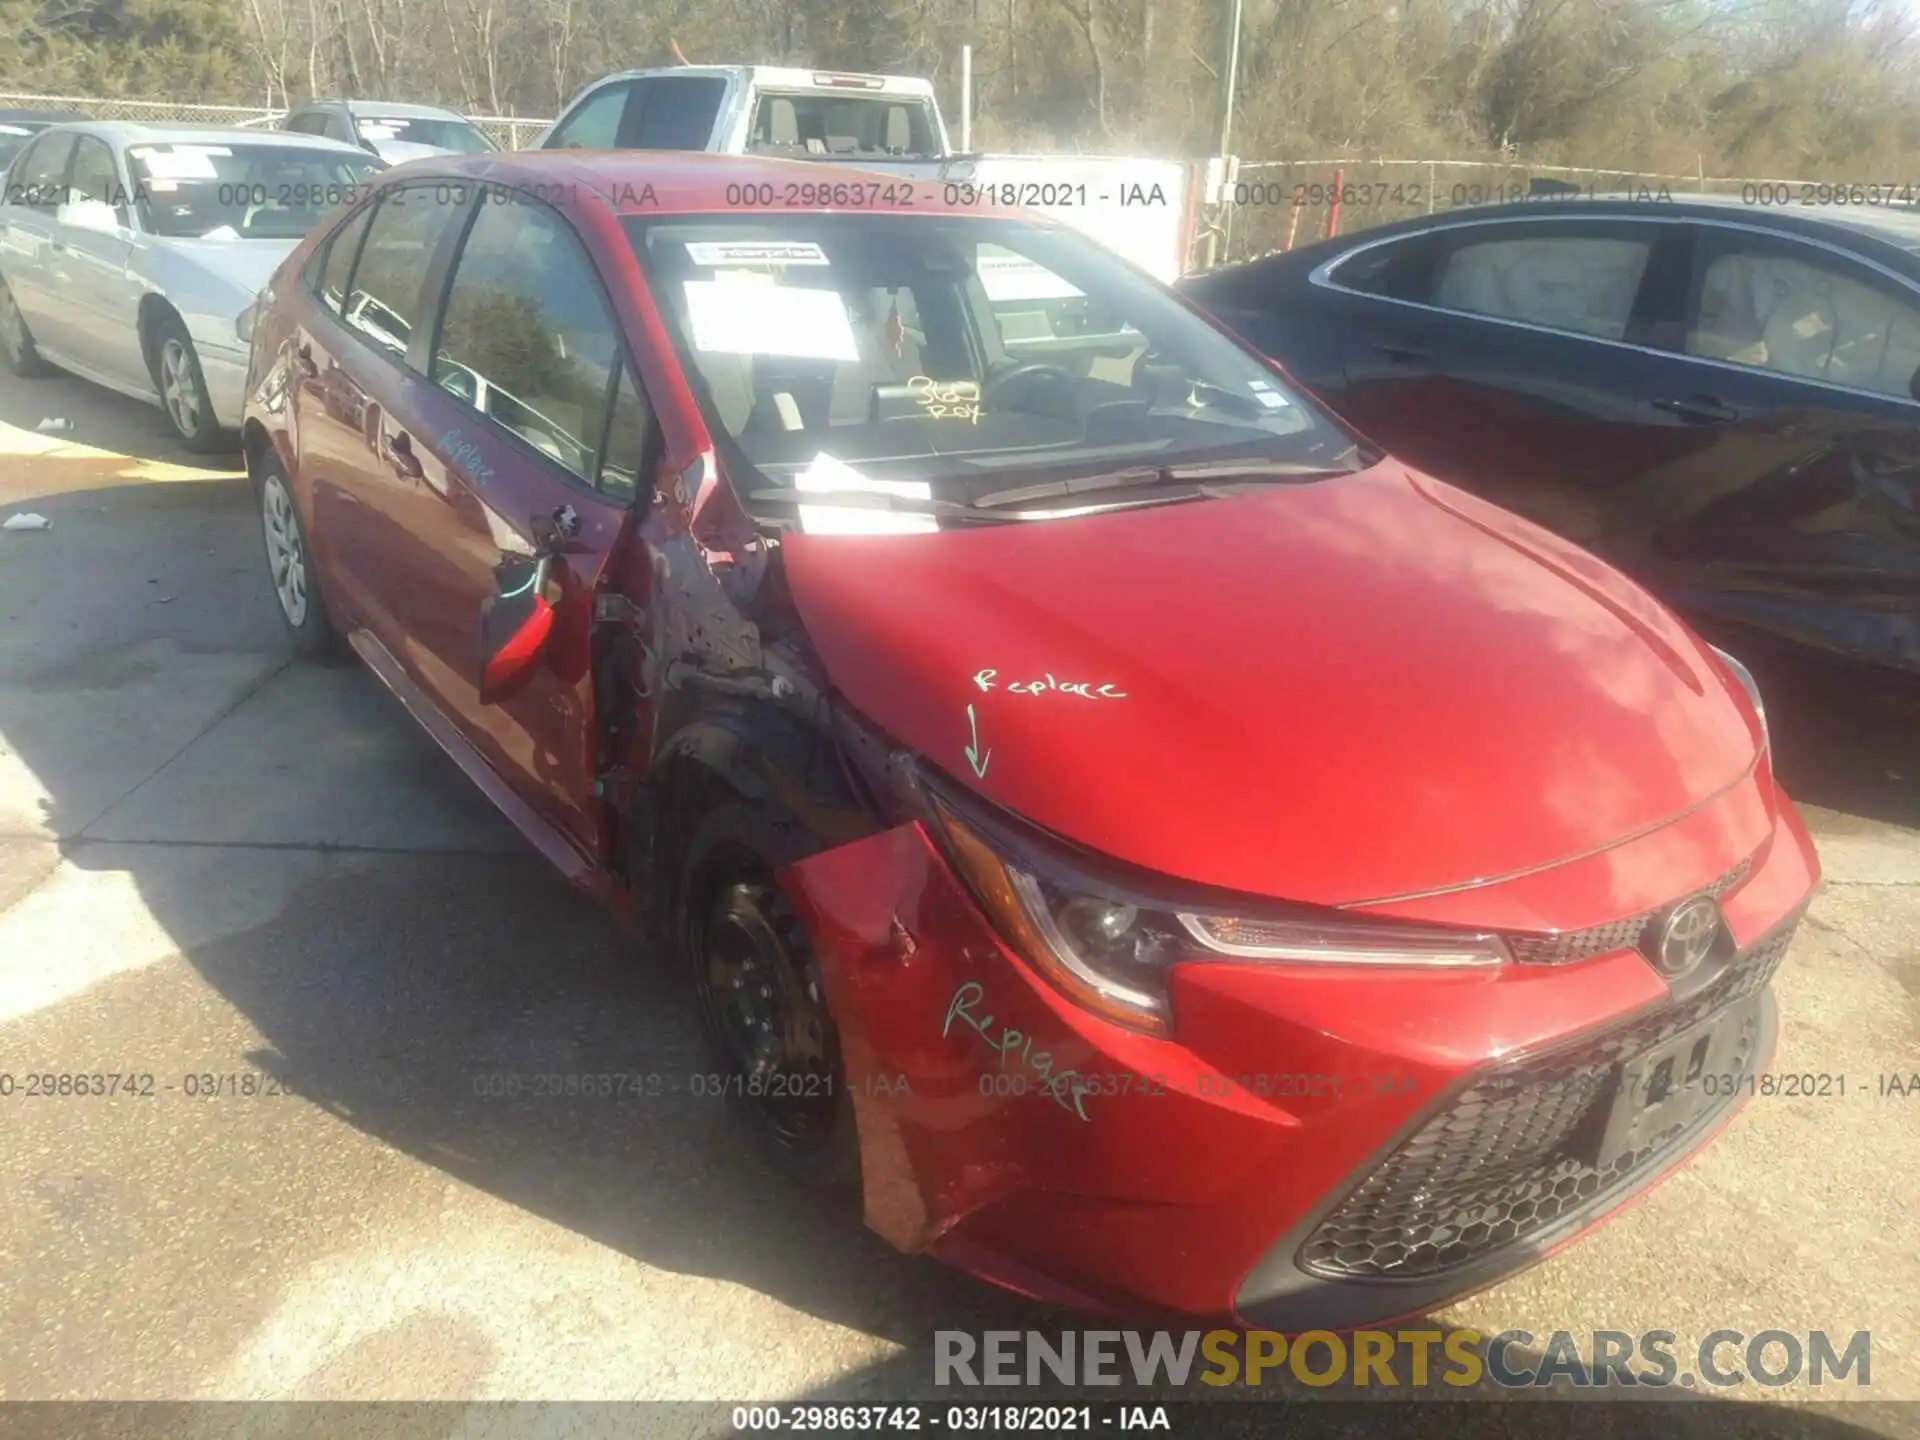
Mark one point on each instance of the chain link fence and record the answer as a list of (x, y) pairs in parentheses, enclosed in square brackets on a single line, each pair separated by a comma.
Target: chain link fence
[(1282, 204), (508, 131)]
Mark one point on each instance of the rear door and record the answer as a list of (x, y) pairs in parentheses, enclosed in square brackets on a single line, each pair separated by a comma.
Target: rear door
[(35, 187), (530, 413), (378, 289), (1792, 499)]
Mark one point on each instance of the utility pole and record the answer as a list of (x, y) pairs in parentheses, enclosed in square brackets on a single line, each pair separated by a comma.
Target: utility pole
[(1228, 75)]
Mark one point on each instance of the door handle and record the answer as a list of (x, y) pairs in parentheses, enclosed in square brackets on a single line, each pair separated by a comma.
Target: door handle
[(1699, 409), (304, 361), (399, 447)]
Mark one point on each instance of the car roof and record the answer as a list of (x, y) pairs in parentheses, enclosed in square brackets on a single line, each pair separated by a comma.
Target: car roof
[(684, 182), (1872, 230), (399, 109), (137, 132), (780, 77)]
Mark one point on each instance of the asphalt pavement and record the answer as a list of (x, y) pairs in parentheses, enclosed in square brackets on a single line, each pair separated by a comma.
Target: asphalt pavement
[(256, 887)]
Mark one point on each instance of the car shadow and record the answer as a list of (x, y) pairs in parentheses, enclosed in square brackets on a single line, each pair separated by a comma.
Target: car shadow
[(423, 995), (103, 419)]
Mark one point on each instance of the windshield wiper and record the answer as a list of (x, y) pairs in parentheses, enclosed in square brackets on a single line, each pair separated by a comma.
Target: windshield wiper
[(1146, 476)]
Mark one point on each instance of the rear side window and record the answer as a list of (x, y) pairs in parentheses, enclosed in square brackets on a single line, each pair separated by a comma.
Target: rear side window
[(528, 337), (338, 257), (1397, 270), (40, 178), (312, 123), (386, 300), (677, 113), (1583, 283), (594, 124)]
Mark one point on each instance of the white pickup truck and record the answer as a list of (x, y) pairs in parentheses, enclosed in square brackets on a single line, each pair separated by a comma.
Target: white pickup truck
[(1143, 209)]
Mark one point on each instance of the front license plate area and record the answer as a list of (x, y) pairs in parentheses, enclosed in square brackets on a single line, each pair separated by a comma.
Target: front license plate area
[(1663, 1089)]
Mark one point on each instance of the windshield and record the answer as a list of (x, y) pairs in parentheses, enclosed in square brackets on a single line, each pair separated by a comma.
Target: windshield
[(456, 135), (836, 123), (242, 190), (972, 357)]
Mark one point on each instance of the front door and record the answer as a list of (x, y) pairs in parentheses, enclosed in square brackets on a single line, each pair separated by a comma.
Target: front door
[(530, 419), (1792, 501), (92, 266)]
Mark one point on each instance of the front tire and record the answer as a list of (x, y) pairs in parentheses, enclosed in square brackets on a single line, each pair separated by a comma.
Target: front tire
[(183, 388), (291, 569), (762, 1003), (16, 341)]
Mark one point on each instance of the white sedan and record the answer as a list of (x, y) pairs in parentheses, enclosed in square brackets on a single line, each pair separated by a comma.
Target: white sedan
[(131, 254)]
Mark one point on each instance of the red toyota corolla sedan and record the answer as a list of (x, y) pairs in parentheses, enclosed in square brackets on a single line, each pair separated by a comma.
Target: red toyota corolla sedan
[(1172, 856)]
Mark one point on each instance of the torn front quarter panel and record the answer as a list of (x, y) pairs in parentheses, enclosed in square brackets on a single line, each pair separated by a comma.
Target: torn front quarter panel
[(976, 1087)]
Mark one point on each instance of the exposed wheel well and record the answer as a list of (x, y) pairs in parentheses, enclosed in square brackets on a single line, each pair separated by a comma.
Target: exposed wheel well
[(154, 309)]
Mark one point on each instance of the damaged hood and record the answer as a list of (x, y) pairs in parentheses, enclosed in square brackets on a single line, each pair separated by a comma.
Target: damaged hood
[(1334, 692)]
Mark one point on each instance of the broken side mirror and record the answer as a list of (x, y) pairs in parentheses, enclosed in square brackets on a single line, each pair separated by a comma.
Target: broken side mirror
[(517, 618), (515, 622)]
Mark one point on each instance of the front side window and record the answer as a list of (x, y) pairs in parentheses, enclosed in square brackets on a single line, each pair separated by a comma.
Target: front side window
[(94, 175), (957, 353), (528, 338), (594, 124), (1584, 283), (389, 281), (241, 190), (1804, 313)]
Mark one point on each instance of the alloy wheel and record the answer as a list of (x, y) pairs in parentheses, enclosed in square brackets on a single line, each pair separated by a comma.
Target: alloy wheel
[(178, 389), (286, 552)]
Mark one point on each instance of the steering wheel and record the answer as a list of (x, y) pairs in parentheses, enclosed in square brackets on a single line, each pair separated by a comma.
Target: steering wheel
[(1020, 372)]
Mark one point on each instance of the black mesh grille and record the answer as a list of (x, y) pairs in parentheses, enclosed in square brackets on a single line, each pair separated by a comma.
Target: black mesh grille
[(1501, 1160), (1571, 945)]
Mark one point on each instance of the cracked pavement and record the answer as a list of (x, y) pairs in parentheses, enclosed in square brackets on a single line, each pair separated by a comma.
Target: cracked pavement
[(216, 862)]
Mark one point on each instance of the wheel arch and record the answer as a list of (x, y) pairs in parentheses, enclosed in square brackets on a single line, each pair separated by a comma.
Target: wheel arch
[(154, 310), (749, 751)]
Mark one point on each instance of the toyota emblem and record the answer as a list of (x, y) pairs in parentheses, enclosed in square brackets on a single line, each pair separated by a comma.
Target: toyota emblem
[(1687, 937)]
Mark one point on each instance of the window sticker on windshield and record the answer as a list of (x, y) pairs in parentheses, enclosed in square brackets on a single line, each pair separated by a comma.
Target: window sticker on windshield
[(779, 320), (180, 164), (1267, 395), (376, 132), (1006, 276), (829, 476), (755, 252)]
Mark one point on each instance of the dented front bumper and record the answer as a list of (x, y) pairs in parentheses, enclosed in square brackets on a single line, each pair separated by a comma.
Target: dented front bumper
[(1058, 1154)]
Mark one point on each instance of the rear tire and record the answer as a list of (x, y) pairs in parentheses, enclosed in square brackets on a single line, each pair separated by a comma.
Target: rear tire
[(291, 569), (183, 388), (16, 341), (760, 995)]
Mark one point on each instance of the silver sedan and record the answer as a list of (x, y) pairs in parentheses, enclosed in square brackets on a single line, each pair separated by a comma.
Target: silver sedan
[(131, 254)]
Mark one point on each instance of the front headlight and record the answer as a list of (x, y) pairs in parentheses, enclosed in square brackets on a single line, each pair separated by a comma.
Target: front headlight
[(1113, 952), (1745, 677)]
